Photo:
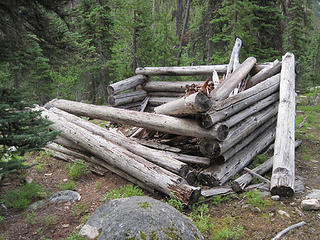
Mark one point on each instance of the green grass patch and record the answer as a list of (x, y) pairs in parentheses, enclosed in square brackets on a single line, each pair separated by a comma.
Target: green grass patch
[(255, 199), (176, 203), (49, 221), (201, 218), (258, 160), (77, 170), (30, 218), (98, 185), (80, 209), (76, 236), (123, 192), (1, 219), (70, 185)]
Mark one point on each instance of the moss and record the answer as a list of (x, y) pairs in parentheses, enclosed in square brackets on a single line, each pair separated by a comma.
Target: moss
[(144, 205)]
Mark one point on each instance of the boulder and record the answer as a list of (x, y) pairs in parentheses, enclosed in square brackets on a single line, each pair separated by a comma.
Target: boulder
[(139, 218), (310, 204)]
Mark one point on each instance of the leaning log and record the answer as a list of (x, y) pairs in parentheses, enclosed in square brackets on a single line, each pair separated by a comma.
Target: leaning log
[(167, 86), (126, 98), (223, 109), (190, 105), (145, 171), (158, 122), (154, 156), (283, 173), (224, 89), (234, 57), (126, 84), (220, 174)]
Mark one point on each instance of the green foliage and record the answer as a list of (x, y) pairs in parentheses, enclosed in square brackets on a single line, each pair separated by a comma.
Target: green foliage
[(77, 170), (201, 218), (70, 185), (123, 192), (80, 209), (255, 199), (259, 159), (76, 236), (1, 219), (22, 198), (227, 228), (98, 185), (176, 203), (30, 217), (84, 218), (49, 221)]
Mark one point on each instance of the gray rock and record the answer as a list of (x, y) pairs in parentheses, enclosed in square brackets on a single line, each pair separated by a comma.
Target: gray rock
[(284, 213), (310, 204), (65, 196), (275, 198), (139, 218), (315, 194), (36, 205), (299, 185)]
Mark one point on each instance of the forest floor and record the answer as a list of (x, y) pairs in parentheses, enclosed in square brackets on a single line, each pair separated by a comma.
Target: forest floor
[(237, 216)]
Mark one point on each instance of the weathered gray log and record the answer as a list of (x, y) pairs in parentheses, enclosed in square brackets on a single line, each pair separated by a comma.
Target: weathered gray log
[(166, 94), (201, 161), (254, 174), (125, 98), (226, 87), (283, 173), (182, 71), (259, 66), (167, 86), (238, 132), (158, 122), (145, 171), (244, 180), (154, 156), (144, 104), (220, 174), (156, 145), (190, 105), (132, 106), (223, 109), (157, 101), (283, 232), (216, 191), (212, 149), (126, 84), (234, 54), (67, 143), (264, 74)]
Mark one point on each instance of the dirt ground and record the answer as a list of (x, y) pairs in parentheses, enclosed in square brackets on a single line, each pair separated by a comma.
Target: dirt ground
[(256, 224)]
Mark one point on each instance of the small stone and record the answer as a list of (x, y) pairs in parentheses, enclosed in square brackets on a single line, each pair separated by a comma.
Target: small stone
[(4, 206), (245, 205), (310, 204), (257, 210), (315, 194), (36, 205), (314, 161), (48, 174), (275, 198), (65, 225), (89, 231), (65, 180), (284, 213), (293, 204), (65, 196), (29, 179)]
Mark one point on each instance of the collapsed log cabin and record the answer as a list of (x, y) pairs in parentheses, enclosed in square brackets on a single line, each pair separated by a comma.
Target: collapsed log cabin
[(200, 134)]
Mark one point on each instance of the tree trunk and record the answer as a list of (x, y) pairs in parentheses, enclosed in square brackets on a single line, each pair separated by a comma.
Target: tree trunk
[(179, 12), (184, 29), (126, 84), (283, 173), (143, 170), (127, 98), (164, 86)]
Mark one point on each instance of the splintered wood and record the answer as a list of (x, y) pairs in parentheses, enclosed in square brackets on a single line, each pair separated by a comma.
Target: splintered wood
[(200, 135)]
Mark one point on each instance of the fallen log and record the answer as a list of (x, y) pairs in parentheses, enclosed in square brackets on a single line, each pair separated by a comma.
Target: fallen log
[(283, 232), (154, 156), (264, 74), (244, 180), (157, 101), (126, 84), (190, 105), (223, 109), (163, 123), (145, 171), (125, 98), (220, 174), (166, 86), (166, 94), (156, 145), (215, 191), (283, 173), (224, 89)]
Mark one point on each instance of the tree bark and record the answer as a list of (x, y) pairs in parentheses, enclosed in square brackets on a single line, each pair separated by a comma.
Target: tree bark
[(224, 89), (223, 109), (126, 98), (143, 170), (165, 86), (182, 71), (163, 123), (126, 84), (283, 173), (157, 101), (184, 29), (215, 191)]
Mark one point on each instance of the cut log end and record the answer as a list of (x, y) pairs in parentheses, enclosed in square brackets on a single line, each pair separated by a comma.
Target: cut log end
[(203, 102), (205, 121), (282, 191), (111, 100), (210, 149), (223, 131), (110, 90), (236, 187)]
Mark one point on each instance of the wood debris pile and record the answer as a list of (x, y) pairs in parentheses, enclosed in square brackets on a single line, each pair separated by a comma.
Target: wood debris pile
[(214, 129)]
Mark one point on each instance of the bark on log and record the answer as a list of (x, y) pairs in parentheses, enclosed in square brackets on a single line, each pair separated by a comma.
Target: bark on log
[(259, 66), (225, 88), (184, 127), (283, 173), (143, 170), (154, 156), (220, 174), (126, 84), (166, 86), (136, 105), (166, 94), (223, 109), (157, 145), (215, 191), (125, 98), (264, 74), (190, 105), (157, 101)]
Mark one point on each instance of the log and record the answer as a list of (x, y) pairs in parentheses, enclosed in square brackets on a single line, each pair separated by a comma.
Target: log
[(156, 145), (68, 144), (201, 161), (259, 66), (223, 109), (145, 171), (125, 98), (166, 86), (131, 106), (166, 94), (126, 84), (157, 101), (190, 105), (238, 132), (264, 74), (254, 174), (154, 156), (283, 173), (224, 89), (215, 191), (213, 150), (144, 104), (220, 174), (182, 71), (234, 55), (283, 232), (244, 180), (163, 123)]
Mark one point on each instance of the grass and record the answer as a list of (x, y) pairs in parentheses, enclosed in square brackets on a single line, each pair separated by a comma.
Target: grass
[(76, 236), (177, 204), (255, 199), (22, 198), (201, 218), (1, 219), (30, 218), (49, 221), (227, 228), (77, 170), (80, 209), (84, 218), (123, 192), (70, 185), (98, 185)]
